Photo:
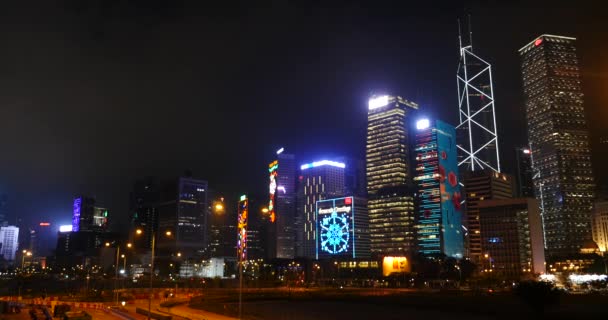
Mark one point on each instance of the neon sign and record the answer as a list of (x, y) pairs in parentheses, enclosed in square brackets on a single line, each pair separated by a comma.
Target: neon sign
[(273, 168), (76, 214), (241, 243), (323, 163)]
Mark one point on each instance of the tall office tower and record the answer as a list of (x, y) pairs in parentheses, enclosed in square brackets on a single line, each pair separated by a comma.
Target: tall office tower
[(600, 224), (439, 213), (477, 134), (9, 241), (559, 140), (512, 237), (282, 205), (524, 173), (318, 180), (3, 210), (183, 210), (482, 186), (144, 200), (42, 239), (389, 186)]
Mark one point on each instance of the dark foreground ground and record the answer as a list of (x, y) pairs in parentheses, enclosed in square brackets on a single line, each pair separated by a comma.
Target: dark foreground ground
[(286, 304)]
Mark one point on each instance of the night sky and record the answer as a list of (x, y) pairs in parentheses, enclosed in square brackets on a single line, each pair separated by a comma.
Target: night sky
[(94, 94)]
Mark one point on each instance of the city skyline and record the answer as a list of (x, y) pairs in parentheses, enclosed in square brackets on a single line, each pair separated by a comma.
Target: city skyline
[(88, 163)]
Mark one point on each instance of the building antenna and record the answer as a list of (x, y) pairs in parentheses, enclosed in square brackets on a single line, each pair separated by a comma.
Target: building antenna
[(459, 36), (470, 33)]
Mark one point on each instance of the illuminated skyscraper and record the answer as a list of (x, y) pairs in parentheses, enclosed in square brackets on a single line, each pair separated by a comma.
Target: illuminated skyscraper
[(319, 180), (390, 192), (282, 205), (9, 242), (559, 141), (477, 134), (439, 213)]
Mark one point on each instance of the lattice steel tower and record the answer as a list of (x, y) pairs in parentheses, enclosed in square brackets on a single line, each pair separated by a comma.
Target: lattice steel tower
[(478, 139)]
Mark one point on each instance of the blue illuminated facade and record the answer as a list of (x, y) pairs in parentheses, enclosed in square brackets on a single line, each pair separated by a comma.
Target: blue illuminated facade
[(76, 214), (439, 211)]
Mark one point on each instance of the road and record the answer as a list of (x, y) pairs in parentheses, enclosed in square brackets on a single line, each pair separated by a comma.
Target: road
[(179, 312)]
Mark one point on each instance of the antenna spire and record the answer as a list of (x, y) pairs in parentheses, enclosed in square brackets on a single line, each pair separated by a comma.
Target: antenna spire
[(459, 36), (470, 33)]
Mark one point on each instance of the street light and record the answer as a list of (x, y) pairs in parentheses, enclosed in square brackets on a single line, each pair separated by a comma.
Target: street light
[(25, 253), (118, 256), (168, 234)]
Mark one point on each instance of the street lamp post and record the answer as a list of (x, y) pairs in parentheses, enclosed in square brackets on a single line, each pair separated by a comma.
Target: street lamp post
[(116, 278), (151, 274), (168, 234), (25, 253)]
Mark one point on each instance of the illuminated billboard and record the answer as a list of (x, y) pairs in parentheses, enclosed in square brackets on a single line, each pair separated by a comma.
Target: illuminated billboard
[(273, 169), (335, 228), (241, 244), (391, 265), (77, 207)]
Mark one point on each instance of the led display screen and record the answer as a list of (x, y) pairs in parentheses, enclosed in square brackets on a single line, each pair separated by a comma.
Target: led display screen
[(335, 228)]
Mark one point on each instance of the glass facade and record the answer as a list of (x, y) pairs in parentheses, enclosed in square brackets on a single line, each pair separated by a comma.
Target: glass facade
[(439, 213), (559, 142), (390, 197)]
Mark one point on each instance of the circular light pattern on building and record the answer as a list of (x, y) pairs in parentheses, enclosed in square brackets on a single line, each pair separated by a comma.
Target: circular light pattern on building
[(335, 233)]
